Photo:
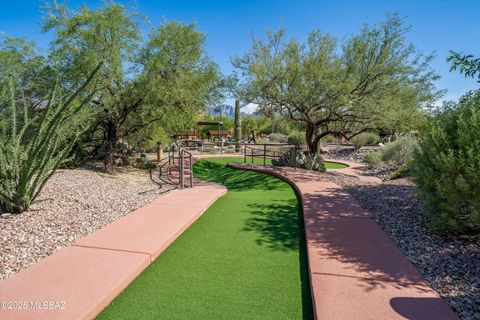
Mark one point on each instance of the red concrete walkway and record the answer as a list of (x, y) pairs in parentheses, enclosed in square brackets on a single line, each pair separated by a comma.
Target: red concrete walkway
[(356, 272), (81, 280)]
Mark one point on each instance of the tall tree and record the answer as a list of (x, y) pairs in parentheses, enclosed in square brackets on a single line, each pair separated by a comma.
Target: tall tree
[(337, 90), (20, 60), (139, 82), (467, 64)]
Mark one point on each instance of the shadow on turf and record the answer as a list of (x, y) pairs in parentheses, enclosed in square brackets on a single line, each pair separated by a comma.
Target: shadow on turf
[(279, 226), (233, 179), (276, 225)]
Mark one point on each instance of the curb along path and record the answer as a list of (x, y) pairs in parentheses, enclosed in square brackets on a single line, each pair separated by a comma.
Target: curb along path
[(79, 281), (356, 272)]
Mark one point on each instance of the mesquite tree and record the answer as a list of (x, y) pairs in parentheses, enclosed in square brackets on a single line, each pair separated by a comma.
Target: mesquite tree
[(467, 64), (337, 90), (141, 82), (35, 145)]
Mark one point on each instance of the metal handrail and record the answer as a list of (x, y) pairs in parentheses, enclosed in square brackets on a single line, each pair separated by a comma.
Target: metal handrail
[(263, 148), (181, 163)]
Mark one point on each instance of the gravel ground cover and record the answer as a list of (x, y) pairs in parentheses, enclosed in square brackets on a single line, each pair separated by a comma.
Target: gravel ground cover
[(75, 203), (452, 266), (347, 153)]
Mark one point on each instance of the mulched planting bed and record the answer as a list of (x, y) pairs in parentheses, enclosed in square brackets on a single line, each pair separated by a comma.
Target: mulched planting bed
[(452, 266), (76, 203)]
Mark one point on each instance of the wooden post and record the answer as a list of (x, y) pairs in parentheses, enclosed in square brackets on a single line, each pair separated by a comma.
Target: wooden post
[(191, 172), (295, 156), (264, 154), (159, 151), (245, 153), (180, 166)]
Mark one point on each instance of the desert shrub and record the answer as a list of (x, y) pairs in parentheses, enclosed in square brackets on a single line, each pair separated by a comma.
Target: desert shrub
[(405, 170), (397, 155), (447, 168), (296, 137), (34, 146), (301, 160), (144, 163), (328, 139), (399, 151), (364, 138), (277, 137), (373, 159)]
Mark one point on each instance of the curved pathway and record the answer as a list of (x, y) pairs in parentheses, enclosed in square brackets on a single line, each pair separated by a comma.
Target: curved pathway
[(355, 170), (79, 281), (356, 272)]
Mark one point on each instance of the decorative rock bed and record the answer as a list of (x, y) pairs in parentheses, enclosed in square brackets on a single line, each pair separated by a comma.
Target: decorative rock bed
[(451, 266), (76, 203)]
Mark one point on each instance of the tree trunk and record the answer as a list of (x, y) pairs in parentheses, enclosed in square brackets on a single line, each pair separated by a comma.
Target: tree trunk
[(316, 144), (313, 140), (110, 147), (309, 138)]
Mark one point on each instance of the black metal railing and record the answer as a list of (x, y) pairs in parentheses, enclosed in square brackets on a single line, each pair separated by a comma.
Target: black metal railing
[(269, 151), (181, 159)]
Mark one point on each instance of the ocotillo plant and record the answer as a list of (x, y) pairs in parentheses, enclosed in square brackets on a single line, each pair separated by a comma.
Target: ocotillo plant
[(32, 148), (238, 125)]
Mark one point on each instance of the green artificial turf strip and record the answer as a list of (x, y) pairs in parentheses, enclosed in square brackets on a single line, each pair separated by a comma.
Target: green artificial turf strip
[(226, 159), (334, 165), (244, 258)]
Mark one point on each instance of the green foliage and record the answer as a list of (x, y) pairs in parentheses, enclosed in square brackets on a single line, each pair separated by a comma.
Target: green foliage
[(396, 154), (333, 89), (312, 162), (365, 138), (144, 163), (373, 159), (447, 168), (228, 124), (163, 81), (19, 60), (328, 139), (399, 151), (277, 137), (405, 170), (249, 123), (33, 148), (300, 160), (467, 64), (296, 137)]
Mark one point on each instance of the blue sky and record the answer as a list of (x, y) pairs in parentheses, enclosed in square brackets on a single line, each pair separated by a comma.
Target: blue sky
[(437, 26)]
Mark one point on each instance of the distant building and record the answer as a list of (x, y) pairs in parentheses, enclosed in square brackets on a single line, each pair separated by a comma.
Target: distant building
[(189, 135), (219, 133)]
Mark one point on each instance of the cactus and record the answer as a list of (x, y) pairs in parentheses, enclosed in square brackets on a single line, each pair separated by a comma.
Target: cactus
[(302, 160), (34, 147), (238, 126)]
